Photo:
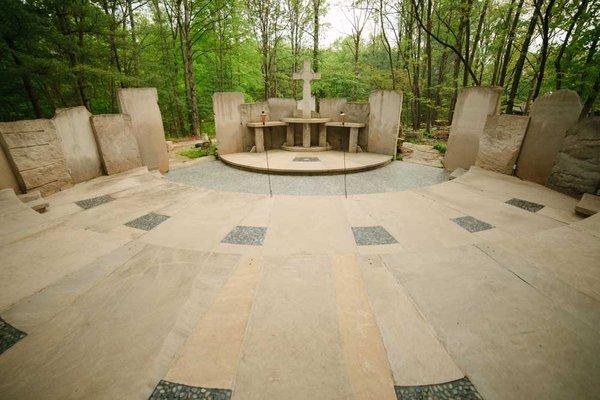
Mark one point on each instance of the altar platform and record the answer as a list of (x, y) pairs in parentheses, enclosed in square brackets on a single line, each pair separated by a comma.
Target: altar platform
[(305, 162)]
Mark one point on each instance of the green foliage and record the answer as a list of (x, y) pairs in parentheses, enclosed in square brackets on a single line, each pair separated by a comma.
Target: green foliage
[(198, 152), (441, 147)]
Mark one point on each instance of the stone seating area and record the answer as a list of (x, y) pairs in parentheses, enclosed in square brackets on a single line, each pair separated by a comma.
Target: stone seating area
[(131, 286)]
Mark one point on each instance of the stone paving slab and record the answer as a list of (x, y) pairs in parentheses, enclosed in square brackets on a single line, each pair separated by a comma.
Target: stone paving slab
[(525, 205), (148, 221), (372, 235), (166, 390), (9, 335), (472, 224), (94, 201), (246, 235)]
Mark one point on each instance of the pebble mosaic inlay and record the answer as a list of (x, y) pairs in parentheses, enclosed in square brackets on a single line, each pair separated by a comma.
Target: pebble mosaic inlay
[(94, 201), (148, 221), (372, 235), (461, 389), (306, 159), (166, 390), (525, 205), (472, 224), (9, 335), (246, 235)]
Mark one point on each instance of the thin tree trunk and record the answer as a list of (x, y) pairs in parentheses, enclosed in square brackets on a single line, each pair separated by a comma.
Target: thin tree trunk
[(563, 47), (520, 64), (509, 44), (429, 71), (316, 26), (545, 20), (31, 95), (504, 35), (190, 76)]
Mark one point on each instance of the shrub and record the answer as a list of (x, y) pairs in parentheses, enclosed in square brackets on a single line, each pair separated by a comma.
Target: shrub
[(441, 147)]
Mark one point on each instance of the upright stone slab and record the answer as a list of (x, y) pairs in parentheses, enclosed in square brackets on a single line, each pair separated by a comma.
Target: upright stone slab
[(551, 116), (577, 167), (500, 142), (141, 104), (228, 121), (34, 153), (473, 106), (8, 180), (281, 108), (331, 108), (250, 112), (117, 144), (384, 121), (78, 144)]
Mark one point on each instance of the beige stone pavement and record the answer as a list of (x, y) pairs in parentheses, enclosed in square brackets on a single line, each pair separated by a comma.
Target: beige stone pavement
[(111, 310)]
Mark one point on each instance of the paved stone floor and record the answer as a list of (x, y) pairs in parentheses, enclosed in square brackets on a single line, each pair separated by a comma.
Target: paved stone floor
[(393, 177), (202, 286)]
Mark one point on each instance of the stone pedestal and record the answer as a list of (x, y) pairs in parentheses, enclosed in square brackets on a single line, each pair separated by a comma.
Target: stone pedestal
[(353, 140), (259, 139), (305, 135), (289, 141), (322, 135)]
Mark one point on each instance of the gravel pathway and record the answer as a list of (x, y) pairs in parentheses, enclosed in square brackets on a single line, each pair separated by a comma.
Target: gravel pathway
[(394, 177)]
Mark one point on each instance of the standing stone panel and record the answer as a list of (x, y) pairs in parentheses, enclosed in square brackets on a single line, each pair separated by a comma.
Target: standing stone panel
[(551, 116), (118, 146), (385, 107), (473, 106), (500, 142), (142, 105), (8, 180), (34, 153), (577, 167), (78, 144), (228, 121)]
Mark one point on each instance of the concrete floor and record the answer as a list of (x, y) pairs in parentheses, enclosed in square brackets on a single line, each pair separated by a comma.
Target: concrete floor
[(116, 312)]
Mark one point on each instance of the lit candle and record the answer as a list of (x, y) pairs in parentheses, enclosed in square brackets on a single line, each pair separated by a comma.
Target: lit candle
[(342, 117)]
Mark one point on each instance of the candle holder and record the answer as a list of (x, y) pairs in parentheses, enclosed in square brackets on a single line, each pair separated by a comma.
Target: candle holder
[(342, 117), (264, 117)]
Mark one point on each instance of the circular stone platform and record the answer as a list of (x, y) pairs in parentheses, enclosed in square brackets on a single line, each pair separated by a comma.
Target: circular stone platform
[(306, 162)]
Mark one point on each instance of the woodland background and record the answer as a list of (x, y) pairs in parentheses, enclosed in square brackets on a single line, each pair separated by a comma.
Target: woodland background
[(63, 53)]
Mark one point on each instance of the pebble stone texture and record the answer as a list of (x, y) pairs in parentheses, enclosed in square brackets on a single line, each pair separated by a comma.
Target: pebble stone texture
[(148, 221), (246, 235), (525, 205), (166, 390), (461, 389), (394, 177), (94, 201), (9, 335), (472, 224), (372, 235), (306, 159)]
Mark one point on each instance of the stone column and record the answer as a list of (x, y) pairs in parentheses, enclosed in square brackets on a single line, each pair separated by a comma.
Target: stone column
[(259, 139), (290, 135), (322, 135), (305, 135), (353, 140)]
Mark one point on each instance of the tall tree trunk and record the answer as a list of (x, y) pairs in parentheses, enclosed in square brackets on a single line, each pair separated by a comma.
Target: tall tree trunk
[(520, 64), (135, 52), (190, 76), (563, 47), (509, 44), (503, 36), (456, 70), (468, 5), (31, 95), (386, 45), (545, 20), (429, 71), (316, 27)]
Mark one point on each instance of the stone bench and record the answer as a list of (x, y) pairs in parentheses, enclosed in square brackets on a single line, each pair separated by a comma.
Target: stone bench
[(259, 134), (354, 127)]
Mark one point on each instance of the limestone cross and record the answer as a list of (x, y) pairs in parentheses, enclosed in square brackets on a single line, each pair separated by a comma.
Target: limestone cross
[(307, 76)]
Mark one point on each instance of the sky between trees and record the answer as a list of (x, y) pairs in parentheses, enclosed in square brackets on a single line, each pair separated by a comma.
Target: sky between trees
[(64, 53)]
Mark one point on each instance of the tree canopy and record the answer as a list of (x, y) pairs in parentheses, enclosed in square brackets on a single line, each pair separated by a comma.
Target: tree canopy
[(64, 53)]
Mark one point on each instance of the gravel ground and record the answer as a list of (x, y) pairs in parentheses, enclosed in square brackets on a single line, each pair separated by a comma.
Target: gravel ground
[(394, 177)]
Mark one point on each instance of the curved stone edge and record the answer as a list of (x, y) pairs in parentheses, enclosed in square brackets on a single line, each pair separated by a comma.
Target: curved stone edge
[(459, 389)]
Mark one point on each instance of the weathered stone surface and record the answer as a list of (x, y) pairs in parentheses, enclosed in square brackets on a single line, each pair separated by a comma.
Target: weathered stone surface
[(359, 112), (500, 142), (141, 104), (588, 205), (34, 153), (250, 112), (77, 142), (551, 116), (457, 173), (228, 121), (331, 108), (7, 176), (118, 147), (385, 107), (473, 106), (281, 108), (577, 166)]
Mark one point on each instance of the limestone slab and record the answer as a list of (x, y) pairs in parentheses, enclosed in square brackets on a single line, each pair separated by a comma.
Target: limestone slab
[(384, 121), (588, 205), (118, 146), (551, 116), (473, 106), (281, 108), (7, 176), (228, 121), (141, 104), (500, 142), (250, 112), (77, 142), (577, 167), (33, 150)]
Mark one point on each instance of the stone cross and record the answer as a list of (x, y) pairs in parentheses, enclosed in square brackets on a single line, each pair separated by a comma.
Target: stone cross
[(307, 76)]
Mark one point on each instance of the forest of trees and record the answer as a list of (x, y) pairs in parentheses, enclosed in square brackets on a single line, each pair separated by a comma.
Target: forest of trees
[(64, 53)]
